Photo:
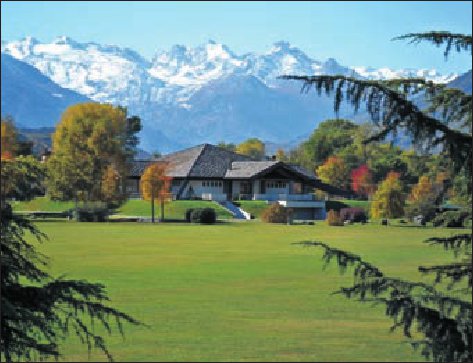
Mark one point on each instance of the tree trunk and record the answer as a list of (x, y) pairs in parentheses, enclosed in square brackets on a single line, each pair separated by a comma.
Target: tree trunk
[(76, 208), (152, 205), (162, 209)]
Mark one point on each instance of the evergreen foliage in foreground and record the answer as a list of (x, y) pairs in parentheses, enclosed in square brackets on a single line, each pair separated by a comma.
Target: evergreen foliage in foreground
[(443, 321), (38, 310)]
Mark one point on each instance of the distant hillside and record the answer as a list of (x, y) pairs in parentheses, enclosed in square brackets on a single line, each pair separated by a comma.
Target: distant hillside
[(41, 138), (30, 97), (462, 82)]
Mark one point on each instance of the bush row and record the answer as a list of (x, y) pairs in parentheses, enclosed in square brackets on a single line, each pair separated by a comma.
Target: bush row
[(201, 215)]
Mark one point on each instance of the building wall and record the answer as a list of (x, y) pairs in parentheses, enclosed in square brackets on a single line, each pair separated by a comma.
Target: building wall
[(205, 186), (277, 186)]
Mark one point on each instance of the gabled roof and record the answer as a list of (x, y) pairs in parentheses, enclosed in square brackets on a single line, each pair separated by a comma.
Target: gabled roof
[(181, 162), (202, 161), (254, 169), (248, 169), (208, 161)]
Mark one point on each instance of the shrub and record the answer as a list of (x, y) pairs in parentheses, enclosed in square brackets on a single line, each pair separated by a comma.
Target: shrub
[(275, 213), (335, 205), (451, 219), (188, 214), (203, 215), (92, 214), (333, 218), (353, 215)]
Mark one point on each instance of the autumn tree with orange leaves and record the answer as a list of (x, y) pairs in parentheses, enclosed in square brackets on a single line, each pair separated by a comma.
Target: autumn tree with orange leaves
[(155, 185)]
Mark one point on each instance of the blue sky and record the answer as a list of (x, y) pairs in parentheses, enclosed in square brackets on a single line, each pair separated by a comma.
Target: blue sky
[(354, 33)]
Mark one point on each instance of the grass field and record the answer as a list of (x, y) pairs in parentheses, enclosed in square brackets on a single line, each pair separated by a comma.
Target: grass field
[(133, 207), (237, 291), (255, 207)]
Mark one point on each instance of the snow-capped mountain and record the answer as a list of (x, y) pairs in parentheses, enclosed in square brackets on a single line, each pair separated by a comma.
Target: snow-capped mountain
[(197, 94), (102, 73), (387, 73), (32, 98)]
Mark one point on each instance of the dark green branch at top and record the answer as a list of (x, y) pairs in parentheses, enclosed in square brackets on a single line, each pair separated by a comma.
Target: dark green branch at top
[(458, 41)]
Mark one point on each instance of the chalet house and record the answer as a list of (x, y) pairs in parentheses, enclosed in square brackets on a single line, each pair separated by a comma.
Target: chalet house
[(211, 173)]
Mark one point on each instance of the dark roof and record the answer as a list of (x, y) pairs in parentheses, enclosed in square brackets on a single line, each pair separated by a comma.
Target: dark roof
[(208, 161), (330, 189), (248, 169), (303, 171), (181, 162), (202, 161)]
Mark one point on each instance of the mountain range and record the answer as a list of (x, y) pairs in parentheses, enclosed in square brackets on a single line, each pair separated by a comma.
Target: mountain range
[(184, 95)]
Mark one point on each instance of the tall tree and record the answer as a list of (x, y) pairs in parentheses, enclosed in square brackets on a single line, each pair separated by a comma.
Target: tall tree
[(252, 147), (39, 310), (90, 139), (329, 137), (155, 184), (443, 320)]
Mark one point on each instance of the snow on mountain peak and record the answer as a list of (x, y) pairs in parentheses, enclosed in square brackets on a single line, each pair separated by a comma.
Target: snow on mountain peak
[(108, 73), (387, 73)]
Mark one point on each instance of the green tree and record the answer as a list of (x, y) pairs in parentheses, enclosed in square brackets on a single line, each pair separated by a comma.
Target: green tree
[(8, 137), (252, 147), (229, 146), (39, 310), (443, 320), (22, 178), (90, 139), (329, 137)]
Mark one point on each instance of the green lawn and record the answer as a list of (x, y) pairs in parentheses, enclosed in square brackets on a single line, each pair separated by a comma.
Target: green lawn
[(42, 204), (173, 210), (237, 291), (365, 204), (255, 207)]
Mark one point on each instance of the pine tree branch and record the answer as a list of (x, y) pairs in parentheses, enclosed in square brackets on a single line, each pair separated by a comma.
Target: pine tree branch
[(392, 111), (458, 41), (444, 321)]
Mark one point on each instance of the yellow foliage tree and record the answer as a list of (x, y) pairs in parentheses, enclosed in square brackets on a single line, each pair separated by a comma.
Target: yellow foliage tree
[(423, 197), (111, 184), (8, 139), (424, 189), (155, 185), (335, 172), (90, 140), (388, 201), (252, 147)]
